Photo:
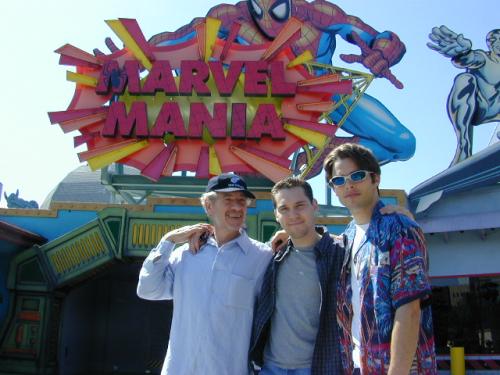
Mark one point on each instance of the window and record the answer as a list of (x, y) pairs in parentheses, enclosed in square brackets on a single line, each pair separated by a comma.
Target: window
[(466, 313)]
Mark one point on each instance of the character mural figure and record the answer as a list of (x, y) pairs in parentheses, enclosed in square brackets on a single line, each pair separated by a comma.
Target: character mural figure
[(371, 124), (475, 97), (13, 201)]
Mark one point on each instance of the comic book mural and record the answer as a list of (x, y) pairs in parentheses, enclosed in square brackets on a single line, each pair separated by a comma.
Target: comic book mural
[(475, 97), (14, 201), (244, 89)]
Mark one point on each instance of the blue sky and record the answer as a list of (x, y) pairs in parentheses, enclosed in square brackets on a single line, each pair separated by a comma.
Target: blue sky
[(35, 155)]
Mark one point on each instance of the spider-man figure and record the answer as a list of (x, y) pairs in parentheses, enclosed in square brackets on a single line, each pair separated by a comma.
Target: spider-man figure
[(372, 124)]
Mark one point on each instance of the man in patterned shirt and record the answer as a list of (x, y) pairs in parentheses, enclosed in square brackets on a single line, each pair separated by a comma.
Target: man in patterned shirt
[(383, 295)]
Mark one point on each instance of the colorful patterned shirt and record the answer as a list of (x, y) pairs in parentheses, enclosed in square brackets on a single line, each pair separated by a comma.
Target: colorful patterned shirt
[(392, 267)]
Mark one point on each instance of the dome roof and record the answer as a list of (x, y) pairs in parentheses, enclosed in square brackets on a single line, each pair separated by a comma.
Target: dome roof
[(80, 185)]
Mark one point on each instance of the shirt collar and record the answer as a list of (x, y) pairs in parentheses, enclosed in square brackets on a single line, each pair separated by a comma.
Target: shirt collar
[(319, 248), (242, 241), (351, 228)]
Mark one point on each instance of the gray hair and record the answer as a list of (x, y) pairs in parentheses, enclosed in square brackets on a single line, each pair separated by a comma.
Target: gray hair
[(212, 196), (205, 197)]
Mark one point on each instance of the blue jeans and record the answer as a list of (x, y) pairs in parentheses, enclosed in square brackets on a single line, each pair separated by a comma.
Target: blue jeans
[(270, 369)]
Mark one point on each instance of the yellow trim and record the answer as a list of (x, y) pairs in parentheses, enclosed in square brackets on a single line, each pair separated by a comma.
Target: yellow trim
[(147, 231), (129, 42), (54, 262), (140, 233), (310, 136), (211, 31), (301, 59), (213, 162), (134, 235), (94, 244), (333, 220), (110, 157), (81, 79), (88, 245), (102, 248)]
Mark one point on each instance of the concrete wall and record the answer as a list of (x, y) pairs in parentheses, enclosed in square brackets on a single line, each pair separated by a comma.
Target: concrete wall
[(468, 253)]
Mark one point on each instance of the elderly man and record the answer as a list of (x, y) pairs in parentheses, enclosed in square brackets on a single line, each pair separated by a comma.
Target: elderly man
[(214, 286)]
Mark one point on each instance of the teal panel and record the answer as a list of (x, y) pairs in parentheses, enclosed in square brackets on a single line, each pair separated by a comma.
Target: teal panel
[(4, 292), (30, 272), (144, 232), (114, 226)]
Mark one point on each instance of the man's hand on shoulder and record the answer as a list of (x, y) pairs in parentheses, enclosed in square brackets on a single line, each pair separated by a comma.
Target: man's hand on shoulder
[(394, 209), (278, 240), (196, 235), (338, 239)]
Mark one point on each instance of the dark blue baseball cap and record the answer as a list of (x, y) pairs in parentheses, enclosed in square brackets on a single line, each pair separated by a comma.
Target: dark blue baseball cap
[(228, 182)]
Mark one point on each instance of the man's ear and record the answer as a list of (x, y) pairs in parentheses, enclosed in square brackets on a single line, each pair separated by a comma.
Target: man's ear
[(209, 207), (376, 180), (315, 204)]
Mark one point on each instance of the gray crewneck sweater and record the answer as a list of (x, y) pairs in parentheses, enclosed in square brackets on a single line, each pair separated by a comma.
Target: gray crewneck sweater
[(295, 321)]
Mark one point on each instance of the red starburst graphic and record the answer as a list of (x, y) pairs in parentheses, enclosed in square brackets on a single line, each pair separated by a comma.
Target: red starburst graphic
[(254, 134)]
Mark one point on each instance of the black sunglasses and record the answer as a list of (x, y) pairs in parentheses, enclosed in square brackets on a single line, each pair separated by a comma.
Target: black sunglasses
[(356, 176)]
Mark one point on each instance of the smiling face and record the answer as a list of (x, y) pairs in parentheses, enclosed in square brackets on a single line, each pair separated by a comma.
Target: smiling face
[(270, 15), (296, 215), (359, 197), (227, 212)]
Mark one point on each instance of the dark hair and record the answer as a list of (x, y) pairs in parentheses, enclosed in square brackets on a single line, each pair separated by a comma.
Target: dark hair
[(360, 155), (290, 183)]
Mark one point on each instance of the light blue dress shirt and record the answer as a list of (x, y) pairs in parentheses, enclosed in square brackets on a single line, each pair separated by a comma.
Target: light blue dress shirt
[(214, 293)]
